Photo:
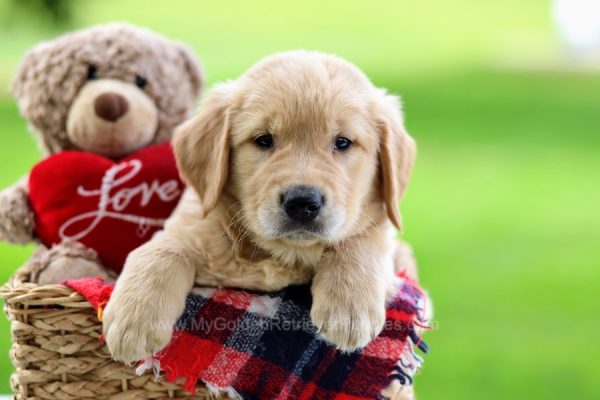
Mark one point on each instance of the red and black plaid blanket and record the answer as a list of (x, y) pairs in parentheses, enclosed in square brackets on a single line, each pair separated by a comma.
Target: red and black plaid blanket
[(263, 346)]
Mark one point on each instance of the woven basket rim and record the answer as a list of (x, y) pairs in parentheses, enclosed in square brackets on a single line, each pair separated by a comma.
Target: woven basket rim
[(18, 289), (37, 314)]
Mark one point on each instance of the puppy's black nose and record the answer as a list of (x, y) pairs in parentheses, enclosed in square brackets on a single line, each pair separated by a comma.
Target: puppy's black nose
[(110, 106), (302, 203)]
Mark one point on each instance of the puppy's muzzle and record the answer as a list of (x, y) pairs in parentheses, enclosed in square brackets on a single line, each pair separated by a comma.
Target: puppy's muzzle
[(302, 203)]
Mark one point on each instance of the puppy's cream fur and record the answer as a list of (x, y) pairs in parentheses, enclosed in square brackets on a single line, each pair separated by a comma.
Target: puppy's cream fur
[(227, 230)]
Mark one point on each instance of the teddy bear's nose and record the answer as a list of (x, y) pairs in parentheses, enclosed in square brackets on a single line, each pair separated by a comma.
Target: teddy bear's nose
[(110, 106)]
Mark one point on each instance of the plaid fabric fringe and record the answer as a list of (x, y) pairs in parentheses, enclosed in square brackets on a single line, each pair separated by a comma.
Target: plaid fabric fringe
[(263, 345)]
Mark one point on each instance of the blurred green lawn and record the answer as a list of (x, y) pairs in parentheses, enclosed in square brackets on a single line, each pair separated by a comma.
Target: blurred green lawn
[(503, 207)]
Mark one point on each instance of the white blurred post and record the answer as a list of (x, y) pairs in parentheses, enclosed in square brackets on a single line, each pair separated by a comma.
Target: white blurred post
[(578, 23)]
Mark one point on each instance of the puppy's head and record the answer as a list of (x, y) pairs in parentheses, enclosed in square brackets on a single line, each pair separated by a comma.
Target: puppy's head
[(306, 144)]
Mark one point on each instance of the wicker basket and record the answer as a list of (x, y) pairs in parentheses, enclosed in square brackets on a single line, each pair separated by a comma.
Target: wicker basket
[(57, 354)]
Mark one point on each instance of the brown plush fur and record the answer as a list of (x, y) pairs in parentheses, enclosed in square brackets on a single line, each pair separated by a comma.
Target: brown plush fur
[(16, 218), (226, 230), (47, 266), (57, 97), (52, 74)]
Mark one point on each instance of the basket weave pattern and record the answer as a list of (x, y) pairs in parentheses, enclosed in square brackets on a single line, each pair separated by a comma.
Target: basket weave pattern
[(57, 353)]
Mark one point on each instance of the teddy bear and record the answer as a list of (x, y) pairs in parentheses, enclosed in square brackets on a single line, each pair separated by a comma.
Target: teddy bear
[(107, 91)]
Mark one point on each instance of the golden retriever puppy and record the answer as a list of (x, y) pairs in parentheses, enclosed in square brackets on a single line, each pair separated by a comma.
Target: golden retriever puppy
[(295, 171)]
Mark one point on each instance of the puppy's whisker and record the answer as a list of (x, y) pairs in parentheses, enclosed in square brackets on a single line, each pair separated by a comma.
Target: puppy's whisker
[(231, 206), (245, 232), (364, 214), (254, 250), (235, 220)]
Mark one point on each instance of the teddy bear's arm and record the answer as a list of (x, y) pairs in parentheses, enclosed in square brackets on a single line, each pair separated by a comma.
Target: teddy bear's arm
[(16, 217)]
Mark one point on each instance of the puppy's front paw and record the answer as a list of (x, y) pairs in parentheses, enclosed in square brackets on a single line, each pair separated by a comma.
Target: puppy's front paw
[(135, 327), (348, 325)]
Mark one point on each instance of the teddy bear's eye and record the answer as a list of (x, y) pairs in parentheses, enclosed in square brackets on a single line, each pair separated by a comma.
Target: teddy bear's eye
[(92, 72), (140, 81)]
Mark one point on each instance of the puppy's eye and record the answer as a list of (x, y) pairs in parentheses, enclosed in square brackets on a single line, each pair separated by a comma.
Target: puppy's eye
[(264, 141), (92, 72), (140, 81), (342, 143)]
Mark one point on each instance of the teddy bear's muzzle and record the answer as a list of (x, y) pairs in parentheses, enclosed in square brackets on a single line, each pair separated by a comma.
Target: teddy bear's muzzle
[(111, 106), (112, 118)]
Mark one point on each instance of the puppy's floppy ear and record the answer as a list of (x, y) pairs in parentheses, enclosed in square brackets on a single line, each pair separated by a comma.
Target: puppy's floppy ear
[(201, 147), (397, 151)]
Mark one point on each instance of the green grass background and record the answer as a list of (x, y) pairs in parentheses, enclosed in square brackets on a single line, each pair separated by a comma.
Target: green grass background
[(503, 209)]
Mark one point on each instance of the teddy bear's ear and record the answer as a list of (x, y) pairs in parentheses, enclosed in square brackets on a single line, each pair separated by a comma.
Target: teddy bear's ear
[(44, 86), (23, 75), (192, 67), (16, 86)]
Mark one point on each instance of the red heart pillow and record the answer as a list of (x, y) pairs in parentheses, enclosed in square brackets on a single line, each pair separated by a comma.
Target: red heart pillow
[(111, 207)]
